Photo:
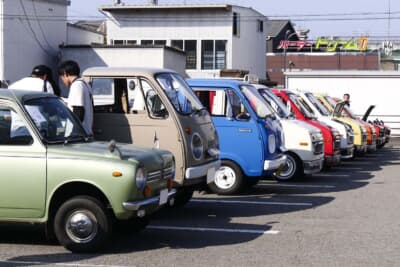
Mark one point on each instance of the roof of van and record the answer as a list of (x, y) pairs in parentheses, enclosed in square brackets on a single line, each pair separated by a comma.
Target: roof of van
[(123, 71), (215, 82)]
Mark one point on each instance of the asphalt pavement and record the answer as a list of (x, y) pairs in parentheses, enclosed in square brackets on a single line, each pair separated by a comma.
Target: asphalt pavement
[(347, 216)]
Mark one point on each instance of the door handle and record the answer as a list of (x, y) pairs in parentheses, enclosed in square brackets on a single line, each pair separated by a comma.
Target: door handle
[(243, 130)]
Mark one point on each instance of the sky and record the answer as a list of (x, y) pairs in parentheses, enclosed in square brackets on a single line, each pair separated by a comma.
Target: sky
[(378, 19)]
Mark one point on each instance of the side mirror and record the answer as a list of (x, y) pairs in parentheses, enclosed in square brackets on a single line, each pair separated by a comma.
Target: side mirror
[(243, 116), (155, 105), (131, 85)]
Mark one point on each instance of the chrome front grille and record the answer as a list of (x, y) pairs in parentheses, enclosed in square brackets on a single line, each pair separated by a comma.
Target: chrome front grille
[(364, 138), (156, 175), (350, 139), (318, 147), (168, 173)]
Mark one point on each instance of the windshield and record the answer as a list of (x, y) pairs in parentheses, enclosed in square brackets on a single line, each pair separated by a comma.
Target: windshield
[(54, 121), (317, 104), (276, 104), (257, 103), (179, 93), (330, 101), (300, 106)]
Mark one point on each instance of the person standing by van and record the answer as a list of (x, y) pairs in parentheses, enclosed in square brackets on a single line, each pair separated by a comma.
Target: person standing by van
[(346, 99), (80, 93), (38, 81)]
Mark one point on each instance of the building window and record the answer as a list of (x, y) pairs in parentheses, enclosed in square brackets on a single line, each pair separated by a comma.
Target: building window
[(131, 42), (220, 54), (177, 44), (117, 42), (236, 24), (260, 25), (160, 42), (207, 54), (213, 54), (191, 54), (146, 42)]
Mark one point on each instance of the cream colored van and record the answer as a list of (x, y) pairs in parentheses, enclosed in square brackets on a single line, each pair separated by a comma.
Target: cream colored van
[(156, 108)]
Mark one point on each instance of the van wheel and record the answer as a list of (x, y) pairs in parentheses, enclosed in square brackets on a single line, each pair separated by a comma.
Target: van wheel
[(228, 179), (82, 224), (292, 170)]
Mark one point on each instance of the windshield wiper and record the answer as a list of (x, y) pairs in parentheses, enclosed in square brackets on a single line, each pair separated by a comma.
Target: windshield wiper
[(199, 111)]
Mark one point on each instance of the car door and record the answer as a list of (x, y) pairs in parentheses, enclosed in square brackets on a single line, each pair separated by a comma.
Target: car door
[(23, 167), (147, 122), (238, 132)]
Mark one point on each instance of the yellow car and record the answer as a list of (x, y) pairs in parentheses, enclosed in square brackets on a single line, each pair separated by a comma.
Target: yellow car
[(360, 131)]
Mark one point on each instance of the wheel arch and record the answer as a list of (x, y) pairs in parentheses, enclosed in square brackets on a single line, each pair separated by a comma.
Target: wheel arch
[(71, 189)]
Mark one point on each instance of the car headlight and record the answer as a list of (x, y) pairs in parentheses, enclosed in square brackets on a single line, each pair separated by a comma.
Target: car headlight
[(197, 146), (271, 143), (141, 178)]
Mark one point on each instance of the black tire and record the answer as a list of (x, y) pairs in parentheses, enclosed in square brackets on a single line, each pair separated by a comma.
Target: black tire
[(182, 197), (98, 222), (132, 225), (228, 179), (293, 169)]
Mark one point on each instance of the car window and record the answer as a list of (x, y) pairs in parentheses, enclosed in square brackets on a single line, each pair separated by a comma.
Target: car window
[(13, 130), (222, 102), (54, 121)]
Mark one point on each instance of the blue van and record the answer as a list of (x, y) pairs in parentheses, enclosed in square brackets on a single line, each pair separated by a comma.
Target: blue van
[(250, 136)]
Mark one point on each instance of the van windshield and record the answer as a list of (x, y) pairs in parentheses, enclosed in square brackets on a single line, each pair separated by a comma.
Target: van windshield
[(179, 93), (317, 104), (257, 103), (300, 106), (275, 103)]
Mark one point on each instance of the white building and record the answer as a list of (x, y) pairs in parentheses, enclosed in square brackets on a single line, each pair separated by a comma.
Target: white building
[(30, 34), (85, 32), (214, 37), (125, 56)]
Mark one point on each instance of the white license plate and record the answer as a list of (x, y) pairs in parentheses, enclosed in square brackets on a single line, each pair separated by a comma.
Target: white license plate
[(163, 196), (210, 175)]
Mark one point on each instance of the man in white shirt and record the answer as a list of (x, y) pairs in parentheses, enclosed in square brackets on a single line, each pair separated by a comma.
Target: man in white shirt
[(37, 81), (80, 99)]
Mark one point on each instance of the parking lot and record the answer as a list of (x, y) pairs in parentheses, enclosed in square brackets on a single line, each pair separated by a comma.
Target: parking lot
[(347, 216)]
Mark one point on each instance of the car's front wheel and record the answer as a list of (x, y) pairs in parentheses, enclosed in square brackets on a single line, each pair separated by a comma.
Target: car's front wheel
[(292, 170), (228, 179), (82, 224)]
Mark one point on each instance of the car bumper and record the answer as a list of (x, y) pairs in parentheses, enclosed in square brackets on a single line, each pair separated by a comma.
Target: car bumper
[(143, 207), (332, 160), (361, 148), (201, 170), (347, 153), (314, 166), (273, 165)]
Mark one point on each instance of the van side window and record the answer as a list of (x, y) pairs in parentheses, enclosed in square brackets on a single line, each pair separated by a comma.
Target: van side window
[(153, 102), (239, 111), (222, 103), (13, 130)]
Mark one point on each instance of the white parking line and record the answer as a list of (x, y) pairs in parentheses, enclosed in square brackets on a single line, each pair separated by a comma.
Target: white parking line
[(296, 185), (58, 264), (204, 200), (206, 229), (330, 175)]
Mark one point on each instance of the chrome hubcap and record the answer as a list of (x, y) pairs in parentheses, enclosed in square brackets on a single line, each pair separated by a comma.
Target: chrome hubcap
[(81, 226), (225, 177), (289, 169)]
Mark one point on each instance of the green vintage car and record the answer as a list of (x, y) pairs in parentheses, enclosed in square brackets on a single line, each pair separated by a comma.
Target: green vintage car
[(53, 173)]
